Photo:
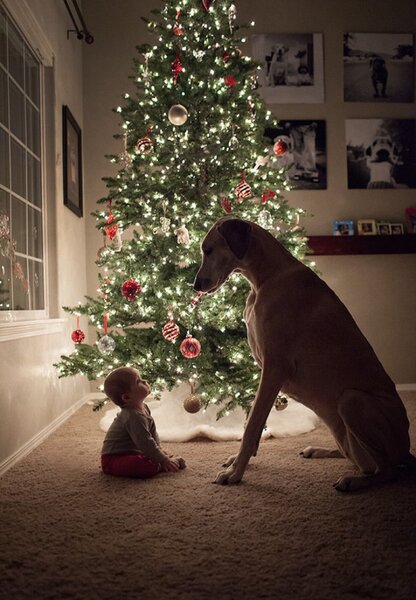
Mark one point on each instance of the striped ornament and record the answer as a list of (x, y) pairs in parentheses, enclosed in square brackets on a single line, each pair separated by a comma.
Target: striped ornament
[(170, 331), (243, 190), (144, 145)]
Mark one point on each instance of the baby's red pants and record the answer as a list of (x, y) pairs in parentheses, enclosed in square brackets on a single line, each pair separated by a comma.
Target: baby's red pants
[(129, 465)]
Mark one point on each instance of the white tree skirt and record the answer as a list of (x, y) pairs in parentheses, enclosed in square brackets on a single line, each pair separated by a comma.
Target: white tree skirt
[(174, 424)]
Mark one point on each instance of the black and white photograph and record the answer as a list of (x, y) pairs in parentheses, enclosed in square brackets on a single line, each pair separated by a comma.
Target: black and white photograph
[(291, 67), (378, 67), (381, 153), (299, 147)]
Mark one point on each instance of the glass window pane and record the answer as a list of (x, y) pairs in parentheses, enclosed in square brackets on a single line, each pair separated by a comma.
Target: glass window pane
[(4, 203), (4, 158), (33, 180), (36, 285), (19, 225), (20, 284), (32, 76), (3, 39), (35, 242), (18, 163), (15, 54), (5, 283), (33, 128), (4, 100), (17, 112)]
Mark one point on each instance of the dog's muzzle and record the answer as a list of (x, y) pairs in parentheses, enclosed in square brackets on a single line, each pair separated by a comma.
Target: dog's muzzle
[(201, 284)]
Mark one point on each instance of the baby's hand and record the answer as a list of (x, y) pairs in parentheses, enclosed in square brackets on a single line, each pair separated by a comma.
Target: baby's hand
[(169, 465)]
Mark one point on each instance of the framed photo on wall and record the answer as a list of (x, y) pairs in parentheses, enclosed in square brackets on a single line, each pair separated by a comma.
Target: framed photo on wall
[(292, 68), (72, 162), (378, 67), (381, 153), (305, 157)]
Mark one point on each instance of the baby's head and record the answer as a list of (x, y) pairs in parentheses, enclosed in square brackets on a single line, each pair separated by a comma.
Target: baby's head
[(124, 385)]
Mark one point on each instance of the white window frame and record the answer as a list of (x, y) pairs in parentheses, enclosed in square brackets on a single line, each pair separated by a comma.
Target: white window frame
[(18, 324)]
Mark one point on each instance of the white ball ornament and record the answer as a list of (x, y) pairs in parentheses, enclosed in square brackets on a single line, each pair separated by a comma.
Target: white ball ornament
[(106, 344), (178, 114)]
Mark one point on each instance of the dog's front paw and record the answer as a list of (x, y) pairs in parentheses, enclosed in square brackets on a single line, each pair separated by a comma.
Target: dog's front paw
[(349, 483), (227, 476), (229, 460)]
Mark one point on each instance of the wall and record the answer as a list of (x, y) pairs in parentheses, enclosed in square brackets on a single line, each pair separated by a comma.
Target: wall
[(33, 400), (379, 290)]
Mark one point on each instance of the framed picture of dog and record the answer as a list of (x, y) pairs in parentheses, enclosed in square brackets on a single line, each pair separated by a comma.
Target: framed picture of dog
[(343, 228), (292, 67), (305, 158), (366, 227), (381, 153), (378, 67)]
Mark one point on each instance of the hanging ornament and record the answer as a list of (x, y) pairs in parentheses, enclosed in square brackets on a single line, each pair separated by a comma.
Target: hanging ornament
[(233, 139), (171, 330), (177, 29), (130, 289), (117, 242), (192, 404), (226, 204), (266, 195), (125, 159), (265, 219), (243, 190), (177, 68), (106, 344), (183, 235), (195, 300), (145, 145), (77, 335), (146, 67), (230, 82), (226, 57), (178, 115), (207, 4), (112, 227), (232, 14), (281, 402), (280, 147), (190, 347)]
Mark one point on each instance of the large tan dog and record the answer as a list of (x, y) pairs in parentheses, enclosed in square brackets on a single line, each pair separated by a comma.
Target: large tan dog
[(308, 346)]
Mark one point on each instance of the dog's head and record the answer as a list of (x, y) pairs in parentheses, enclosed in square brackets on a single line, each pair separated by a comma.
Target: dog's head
[(223, 249), (382, 149)]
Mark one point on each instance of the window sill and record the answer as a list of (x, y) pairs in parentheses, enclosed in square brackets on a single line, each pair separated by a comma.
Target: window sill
[(23, 329)]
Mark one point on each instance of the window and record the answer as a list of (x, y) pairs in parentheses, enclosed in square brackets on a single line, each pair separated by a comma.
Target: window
[(22, 263)]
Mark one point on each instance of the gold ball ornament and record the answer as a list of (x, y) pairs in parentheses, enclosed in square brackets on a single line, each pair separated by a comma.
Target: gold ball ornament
[(192, 404), (178, 114)]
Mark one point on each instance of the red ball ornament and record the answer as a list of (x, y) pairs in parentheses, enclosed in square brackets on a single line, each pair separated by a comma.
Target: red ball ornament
[(190, 347), (280, 147), (77, 336), (130, 289), (230, 81)]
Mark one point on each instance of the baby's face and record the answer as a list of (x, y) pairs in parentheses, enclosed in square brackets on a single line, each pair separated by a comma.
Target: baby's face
[(139, 389)]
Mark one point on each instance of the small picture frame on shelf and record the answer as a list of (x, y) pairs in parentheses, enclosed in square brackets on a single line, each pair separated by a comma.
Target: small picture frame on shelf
[(384, 228), (343, 228), (366, 227), (396, 229), (411, 219)]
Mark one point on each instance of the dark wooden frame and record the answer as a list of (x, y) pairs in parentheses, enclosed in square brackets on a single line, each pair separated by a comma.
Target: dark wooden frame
[(72, 194)]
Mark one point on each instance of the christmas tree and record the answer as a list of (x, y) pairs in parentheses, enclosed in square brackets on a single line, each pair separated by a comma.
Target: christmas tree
[(194, 150)]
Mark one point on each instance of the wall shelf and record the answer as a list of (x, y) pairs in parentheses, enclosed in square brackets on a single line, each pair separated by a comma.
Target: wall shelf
[(321, 245)]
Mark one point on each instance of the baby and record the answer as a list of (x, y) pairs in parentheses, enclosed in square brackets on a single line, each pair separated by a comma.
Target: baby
[(131, 446)]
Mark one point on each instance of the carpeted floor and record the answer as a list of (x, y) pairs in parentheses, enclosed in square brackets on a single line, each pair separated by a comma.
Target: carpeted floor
[(69, 532)]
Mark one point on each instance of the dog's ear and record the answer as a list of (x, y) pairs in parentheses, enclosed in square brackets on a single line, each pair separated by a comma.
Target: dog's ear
[(237, 235)]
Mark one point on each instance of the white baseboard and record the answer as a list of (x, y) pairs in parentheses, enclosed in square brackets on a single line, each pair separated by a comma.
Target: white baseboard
[(40, 437)]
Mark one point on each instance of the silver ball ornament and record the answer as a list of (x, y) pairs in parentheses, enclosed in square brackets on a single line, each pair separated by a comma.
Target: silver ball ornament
[(178, 114), (106, 344)]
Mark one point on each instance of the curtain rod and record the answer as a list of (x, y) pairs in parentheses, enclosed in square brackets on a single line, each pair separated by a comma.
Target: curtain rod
[(82, 30)]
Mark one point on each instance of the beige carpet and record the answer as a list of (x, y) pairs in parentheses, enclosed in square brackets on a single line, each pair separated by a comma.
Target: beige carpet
[(67, 531)]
